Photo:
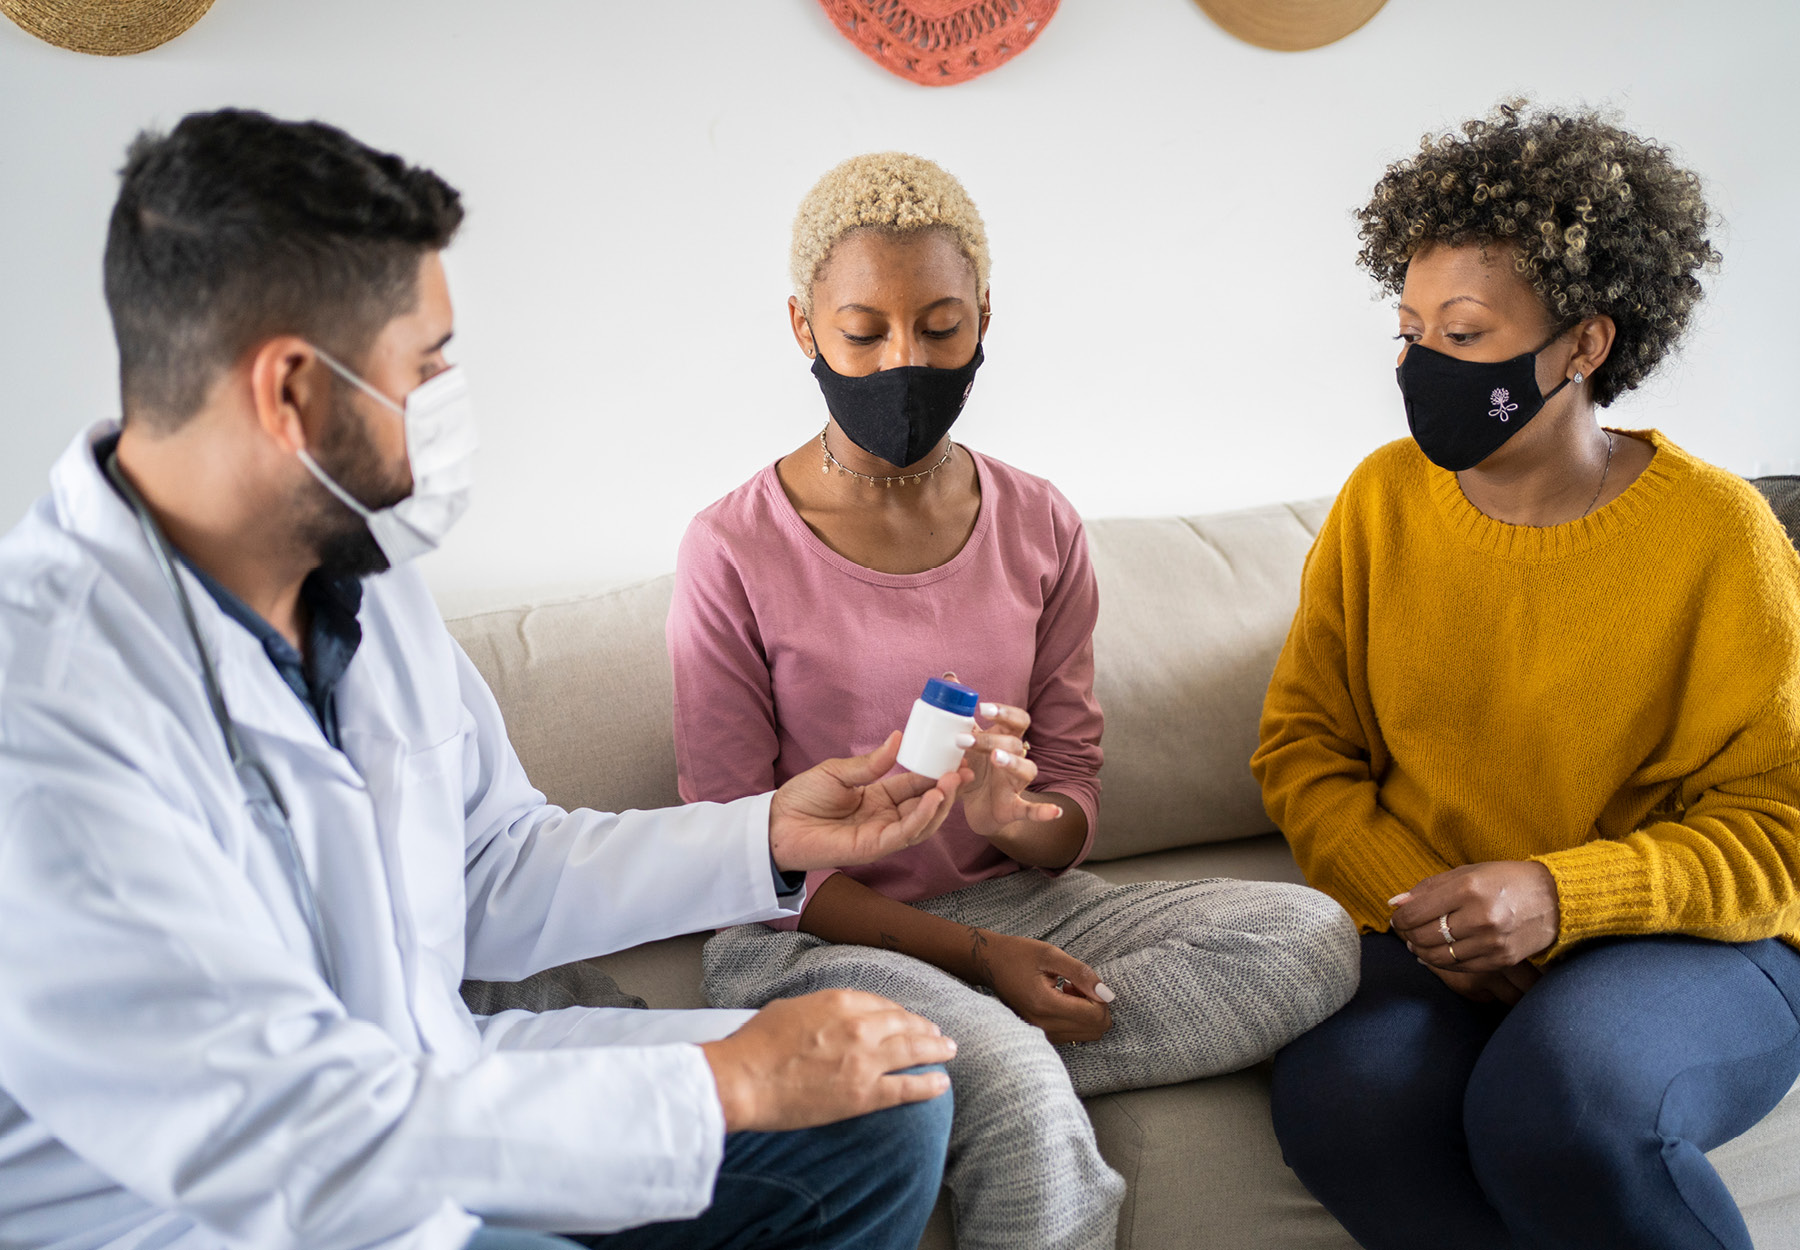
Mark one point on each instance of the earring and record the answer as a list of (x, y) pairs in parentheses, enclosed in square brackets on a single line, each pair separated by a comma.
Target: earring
[(1579, 375)]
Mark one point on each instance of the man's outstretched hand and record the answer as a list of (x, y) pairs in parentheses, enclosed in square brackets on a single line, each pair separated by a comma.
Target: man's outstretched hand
[(844, 812)]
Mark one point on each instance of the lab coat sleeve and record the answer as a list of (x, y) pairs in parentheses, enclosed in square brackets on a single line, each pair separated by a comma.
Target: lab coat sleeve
[(545, 887), (152, 1020)]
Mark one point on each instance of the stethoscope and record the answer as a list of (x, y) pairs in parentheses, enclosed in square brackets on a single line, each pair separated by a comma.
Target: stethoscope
[(268, 809)]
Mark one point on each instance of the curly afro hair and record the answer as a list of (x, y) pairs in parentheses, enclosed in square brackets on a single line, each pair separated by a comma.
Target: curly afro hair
[(891, 191), (1599, 222)]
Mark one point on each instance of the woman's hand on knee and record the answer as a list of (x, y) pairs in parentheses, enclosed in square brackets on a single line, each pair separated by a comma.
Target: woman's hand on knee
[(1508, 985), (1048, 987), (1480, 917)]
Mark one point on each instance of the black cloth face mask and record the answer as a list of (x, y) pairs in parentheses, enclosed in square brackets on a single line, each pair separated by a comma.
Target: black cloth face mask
[(1462, 411), (897, 415)]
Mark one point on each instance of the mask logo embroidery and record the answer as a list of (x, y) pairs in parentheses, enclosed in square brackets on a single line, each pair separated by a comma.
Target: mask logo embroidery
[(1501, 408)]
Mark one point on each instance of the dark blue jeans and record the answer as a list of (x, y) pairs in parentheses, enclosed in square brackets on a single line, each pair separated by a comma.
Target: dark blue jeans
[(868, 1182), (1578, 1118)]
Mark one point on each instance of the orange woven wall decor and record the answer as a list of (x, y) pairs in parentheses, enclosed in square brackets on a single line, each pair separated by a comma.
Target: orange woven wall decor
[(940, 42)]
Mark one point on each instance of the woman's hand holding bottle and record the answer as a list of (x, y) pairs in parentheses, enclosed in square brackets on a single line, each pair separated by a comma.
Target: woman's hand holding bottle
[(997, 756)]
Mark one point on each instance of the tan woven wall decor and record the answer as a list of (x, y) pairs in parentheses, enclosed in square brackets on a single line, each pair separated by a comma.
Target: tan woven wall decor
[(105, 27), (1290, 25), (939, 43)]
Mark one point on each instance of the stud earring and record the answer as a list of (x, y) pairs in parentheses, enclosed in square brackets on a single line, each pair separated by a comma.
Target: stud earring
[(1579, 375)]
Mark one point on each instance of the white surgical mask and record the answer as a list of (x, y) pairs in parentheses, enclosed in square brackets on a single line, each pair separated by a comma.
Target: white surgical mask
[(440, 447)]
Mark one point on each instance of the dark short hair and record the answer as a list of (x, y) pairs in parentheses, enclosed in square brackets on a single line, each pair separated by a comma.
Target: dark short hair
[(237, 226), (1598, 220)]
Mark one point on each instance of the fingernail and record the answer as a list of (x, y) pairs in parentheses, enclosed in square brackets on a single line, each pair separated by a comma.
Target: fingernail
[(1104, 994), (1001, 757), (990, 710), (1410, 947), (1398, 899), (965, 740), (952, 1042)]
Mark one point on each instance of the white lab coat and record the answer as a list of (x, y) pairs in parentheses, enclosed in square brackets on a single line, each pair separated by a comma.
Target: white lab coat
[(174, 1070)]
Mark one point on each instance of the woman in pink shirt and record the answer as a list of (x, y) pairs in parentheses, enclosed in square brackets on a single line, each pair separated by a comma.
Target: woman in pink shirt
[(811, 605)]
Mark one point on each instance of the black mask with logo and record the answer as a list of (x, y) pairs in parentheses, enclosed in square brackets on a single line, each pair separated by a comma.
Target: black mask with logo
[(1462, 411), (897, 415)]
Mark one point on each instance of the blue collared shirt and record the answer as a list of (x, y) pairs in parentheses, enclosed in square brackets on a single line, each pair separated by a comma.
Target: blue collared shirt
[(331, 640)]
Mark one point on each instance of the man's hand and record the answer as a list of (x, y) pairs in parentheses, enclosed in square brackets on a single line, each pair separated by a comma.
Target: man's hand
[(825, 1057), (1045, 985), (1498, 914), (849, 811), (1000, 774)]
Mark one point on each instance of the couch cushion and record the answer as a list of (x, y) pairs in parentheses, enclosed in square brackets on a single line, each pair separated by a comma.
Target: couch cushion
[(1262, 858), (585, 689), (1762, 1171), (1204, 1170), (1193, 613)]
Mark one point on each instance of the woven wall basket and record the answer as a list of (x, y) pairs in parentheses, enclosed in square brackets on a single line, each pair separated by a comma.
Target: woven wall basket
[(105, 27), (1291, 25), (940, 42)]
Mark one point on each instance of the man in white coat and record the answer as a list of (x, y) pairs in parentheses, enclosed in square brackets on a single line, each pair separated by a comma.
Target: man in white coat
[(259, 816)]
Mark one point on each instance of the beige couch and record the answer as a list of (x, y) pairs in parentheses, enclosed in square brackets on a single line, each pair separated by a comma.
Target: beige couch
[(1193, 613)]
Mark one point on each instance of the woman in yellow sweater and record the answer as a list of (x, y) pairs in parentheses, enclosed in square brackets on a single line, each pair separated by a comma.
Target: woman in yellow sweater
[(1537, 728)]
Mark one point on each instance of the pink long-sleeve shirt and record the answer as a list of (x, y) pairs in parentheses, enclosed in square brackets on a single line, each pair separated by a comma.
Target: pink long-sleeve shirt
[(786, 654)]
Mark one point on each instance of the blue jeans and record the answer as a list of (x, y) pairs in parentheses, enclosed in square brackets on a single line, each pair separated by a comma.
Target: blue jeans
[(1577, 1118), (868, 1182)]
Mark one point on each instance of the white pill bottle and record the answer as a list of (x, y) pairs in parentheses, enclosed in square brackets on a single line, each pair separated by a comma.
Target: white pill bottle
[(946, 709)]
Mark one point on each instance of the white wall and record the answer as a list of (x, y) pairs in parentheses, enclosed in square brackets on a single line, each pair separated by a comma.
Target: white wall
[(1179, 325)]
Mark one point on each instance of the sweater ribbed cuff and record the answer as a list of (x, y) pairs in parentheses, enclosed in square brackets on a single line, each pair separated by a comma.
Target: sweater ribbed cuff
[(1602, 887), (1371, 870)]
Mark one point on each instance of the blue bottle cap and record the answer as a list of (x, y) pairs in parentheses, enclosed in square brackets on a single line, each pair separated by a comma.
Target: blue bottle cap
[(951, 697)]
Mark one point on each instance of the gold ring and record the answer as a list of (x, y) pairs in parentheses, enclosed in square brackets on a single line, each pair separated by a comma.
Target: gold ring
[(1024, 748), (1452, 949)]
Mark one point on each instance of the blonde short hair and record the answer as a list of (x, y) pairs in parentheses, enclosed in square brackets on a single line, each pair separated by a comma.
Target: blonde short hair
[(891, 191)]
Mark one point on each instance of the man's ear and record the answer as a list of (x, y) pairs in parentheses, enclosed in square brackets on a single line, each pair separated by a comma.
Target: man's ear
[(290, 391)]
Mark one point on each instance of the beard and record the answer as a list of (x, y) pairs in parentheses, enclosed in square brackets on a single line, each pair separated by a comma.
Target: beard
[(341, 539)]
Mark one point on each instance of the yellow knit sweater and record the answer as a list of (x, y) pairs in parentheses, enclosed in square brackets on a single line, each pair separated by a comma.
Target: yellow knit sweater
[(1617, 698)]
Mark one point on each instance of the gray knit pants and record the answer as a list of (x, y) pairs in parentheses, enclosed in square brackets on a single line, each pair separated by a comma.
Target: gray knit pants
[(1211, 976)]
